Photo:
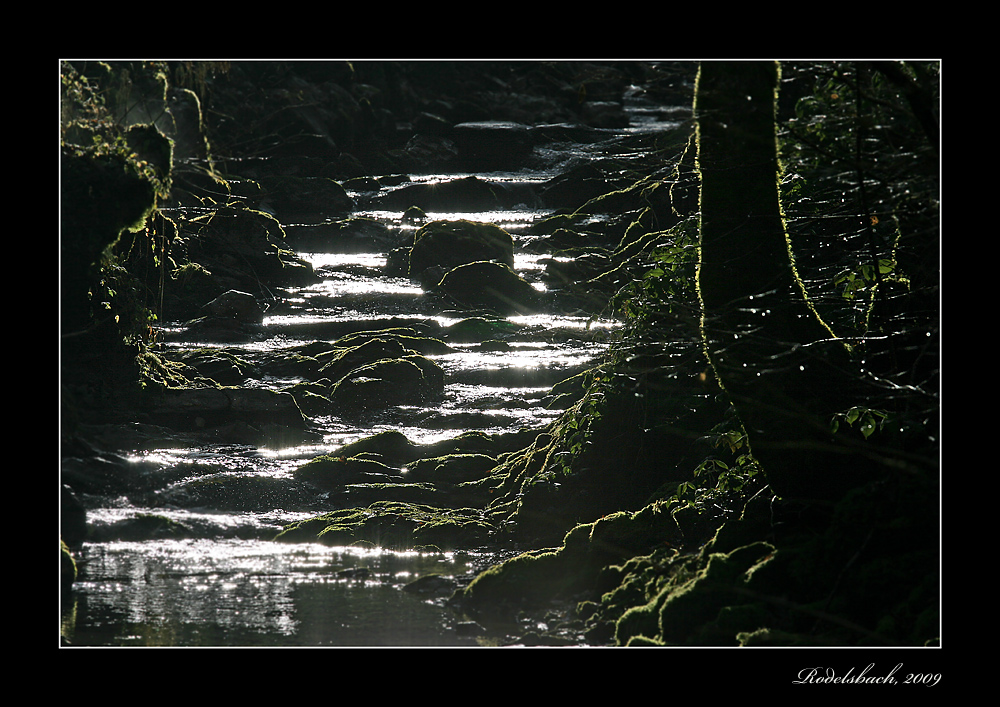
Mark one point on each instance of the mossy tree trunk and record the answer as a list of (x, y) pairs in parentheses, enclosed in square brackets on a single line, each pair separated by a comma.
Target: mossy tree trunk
[(778, 363)]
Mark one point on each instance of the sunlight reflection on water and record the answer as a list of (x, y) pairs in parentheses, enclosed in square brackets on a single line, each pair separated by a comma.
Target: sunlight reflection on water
[(519, 355), (218, 592), (553, 321), (330, 260), (347, 284)]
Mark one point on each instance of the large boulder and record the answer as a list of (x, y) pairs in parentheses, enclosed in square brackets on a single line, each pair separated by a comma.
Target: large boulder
[(222, 366), (409, 380), (239, 306), (391, 447), (447, 244), (493, 286), (234, 248), (407, 337)]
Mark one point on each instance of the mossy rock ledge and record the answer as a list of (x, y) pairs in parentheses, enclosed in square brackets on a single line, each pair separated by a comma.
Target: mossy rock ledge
[(394, 525)]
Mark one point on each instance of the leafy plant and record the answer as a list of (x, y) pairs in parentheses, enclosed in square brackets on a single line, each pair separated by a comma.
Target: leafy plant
[(868, 421)]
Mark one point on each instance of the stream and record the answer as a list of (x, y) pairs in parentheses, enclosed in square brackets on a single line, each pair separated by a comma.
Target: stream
[(230, 584)]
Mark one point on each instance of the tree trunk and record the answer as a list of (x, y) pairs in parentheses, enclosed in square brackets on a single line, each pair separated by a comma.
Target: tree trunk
[(780, 366)]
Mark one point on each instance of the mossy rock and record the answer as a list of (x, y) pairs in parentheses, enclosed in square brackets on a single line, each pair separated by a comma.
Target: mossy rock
[(334, 472), (537, 577), (448, 244), (643, 642), (154, 151), (490, 285), (394, 525), (310, 402), (387, 382), (575, 187), (432, 372), (221, 366), (451, 469), (775, 638), (470, 442), (341, 363), (289, 364), (686, 614), (244, 247), (530, 579), (392, 446)]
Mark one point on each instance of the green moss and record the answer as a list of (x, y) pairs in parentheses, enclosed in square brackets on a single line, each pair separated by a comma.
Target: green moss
[(700, 600), (639, 622), (333, 472), (394, 525), (695, 610), (643, 641), (628, 533), (156, 372), (68, 569), (451, 468), (585, 553), (521, 581), (392, 445)]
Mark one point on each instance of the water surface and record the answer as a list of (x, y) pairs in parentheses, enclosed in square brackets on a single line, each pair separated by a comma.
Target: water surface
[(228, 584)]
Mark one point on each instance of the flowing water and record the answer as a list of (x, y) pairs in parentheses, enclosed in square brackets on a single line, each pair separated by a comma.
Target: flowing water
[(228, 584)]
